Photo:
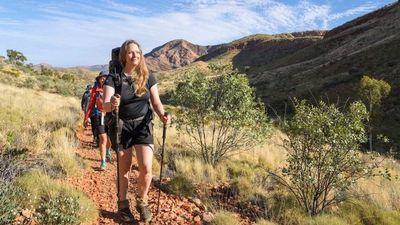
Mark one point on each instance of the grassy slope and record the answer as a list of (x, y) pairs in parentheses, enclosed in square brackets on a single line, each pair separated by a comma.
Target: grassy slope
[(69, 82), (37, 132)]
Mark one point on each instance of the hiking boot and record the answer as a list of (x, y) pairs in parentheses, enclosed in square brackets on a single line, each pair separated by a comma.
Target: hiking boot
[(125, 213), (103, 165), (142, 207), (108, 155)]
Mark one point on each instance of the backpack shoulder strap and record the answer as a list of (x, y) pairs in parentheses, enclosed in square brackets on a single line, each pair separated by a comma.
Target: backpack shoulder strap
[(117, 78)]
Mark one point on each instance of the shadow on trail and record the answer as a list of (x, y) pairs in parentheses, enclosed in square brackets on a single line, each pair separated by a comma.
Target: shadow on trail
[(111, 215)]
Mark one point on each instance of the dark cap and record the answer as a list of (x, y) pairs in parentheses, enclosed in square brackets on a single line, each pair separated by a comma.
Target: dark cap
[(102, 74)]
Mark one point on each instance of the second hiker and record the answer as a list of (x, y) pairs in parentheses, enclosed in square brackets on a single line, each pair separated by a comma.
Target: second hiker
[(96, 113)]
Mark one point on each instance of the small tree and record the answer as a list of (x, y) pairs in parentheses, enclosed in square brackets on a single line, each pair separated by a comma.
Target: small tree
[(323, 157), (372, 92), (219, 113), (15, 57)]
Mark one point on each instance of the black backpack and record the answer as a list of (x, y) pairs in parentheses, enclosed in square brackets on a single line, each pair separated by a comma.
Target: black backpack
[(115, 70), (115, 65)]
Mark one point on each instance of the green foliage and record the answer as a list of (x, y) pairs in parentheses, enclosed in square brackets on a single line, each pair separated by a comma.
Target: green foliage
[(181, 186), (59, 210), (225, 218), (54, 201), (372, 91), (9, 206), (323, 157), (15, 57), (219, 113), (68, 77), (48, 72), (11, 71)]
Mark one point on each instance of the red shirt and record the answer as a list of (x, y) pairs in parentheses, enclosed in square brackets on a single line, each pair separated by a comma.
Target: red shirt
[(96, 99)]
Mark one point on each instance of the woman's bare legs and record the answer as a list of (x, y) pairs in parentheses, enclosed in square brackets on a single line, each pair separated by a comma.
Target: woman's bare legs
[(144, 155)]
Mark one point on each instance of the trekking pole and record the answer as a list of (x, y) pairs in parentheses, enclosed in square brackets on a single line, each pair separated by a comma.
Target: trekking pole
[(162, 162), (117, 145)]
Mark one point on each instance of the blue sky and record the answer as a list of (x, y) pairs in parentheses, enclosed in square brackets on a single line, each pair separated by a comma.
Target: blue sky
[(82, 32)]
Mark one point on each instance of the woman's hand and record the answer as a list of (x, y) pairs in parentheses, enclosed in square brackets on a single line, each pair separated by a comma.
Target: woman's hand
[(85, 123), (165, 118), (115, 100)]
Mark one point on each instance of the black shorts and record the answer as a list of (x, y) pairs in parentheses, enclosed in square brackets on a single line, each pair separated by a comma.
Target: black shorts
[(134, 132), (99, 124)]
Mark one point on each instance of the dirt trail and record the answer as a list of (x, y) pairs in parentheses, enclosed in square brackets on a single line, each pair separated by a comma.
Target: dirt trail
[(100, 186)]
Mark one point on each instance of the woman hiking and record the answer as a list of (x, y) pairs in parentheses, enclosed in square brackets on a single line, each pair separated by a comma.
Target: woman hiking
[(95, 111), (138, 89)]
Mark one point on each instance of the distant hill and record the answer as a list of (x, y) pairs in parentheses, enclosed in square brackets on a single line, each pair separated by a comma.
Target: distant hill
[(175, 54), (258, 50), (171, 55), (95, 68)]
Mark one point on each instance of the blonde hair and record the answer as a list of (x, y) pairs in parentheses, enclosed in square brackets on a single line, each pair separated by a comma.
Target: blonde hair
[(141, 70)]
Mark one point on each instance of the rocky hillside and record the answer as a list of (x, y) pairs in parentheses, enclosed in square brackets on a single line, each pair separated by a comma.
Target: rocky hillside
[(174, 54), (257, 50), (321, 64), (332, 67)]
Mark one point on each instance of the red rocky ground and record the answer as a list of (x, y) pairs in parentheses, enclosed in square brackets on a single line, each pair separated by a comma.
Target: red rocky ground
[(101, 188)]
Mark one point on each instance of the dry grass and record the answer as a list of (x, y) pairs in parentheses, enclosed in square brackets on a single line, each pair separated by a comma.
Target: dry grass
[(271, 154), (225, 218), (28, 117), (381, 191), (199, 172)]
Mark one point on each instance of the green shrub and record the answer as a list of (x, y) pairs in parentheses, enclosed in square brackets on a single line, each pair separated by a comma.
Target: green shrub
[(42, 193), (11, 71), (225, 218), (181, 186), (326, 140), (59, 210), (220, 114), (30, 82), (9, 206)]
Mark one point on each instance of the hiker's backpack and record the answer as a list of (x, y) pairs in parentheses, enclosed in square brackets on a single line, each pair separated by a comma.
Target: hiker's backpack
[(115, 65), (115, 69)]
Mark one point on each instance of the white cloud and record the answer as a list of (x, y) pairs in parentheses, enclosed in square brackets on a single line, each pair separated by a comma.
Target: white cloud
[(367, 7), (64, 36)]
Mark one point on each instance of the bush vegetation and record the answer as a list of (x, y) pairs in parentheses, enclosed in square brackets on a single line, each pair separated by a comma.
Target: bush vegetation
[(324, 161), (14, 71), (219, 113)]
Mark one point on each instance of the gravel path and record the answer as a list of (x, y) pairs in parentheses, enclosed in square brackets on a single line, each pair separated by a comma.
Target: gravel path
[(100, 186)]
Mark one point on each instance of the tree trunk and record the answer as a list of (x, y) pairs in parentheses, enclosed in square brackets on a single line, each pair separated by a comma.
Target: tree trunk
[(370, 126)]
